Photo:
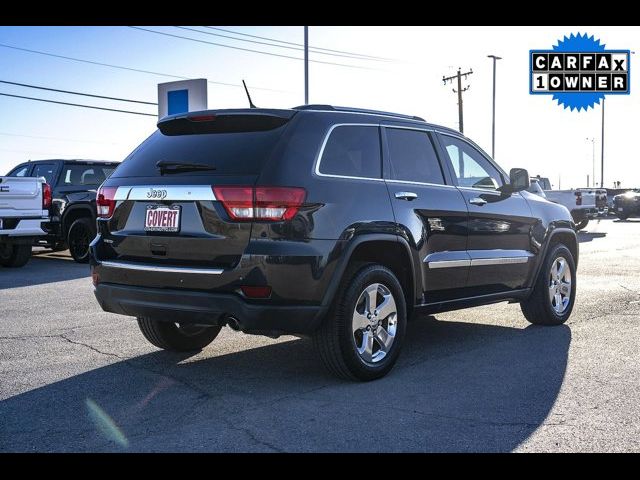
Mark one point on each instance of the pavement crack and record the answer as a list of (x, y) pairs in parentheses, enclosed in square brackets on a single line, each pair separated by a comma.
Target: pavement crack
[(247, 431), (90, 347)]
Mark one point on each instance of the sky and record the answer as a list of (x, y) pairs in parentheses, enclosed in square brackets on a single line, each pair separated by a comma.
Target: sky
[(532, 131)]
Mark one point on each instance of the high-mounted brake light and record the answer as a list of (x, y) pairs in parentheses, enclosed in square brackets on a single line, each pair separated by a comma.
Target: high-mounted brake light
[(105, 201), (46, 196), (202, 118), (275, 204)]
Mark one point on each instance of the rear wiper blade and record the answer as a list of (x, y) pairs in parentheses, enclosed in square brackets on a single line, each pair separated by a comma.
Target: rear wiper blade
[(168, 167)]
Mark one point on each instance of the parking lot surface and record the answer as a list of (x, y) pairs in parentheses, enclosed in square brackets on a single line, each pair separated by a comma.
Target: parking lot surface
[(73, 378)]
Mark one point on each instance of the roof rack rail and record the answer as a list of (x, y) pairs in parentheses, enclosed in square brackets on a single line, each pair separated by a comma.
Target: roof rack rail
[(357, 110)]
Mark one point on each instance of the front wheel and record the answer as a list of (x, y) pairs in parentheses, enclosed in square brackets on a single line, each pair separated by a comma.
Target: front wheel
[(14, 256), (177, 337), (554, 293), (81, 234), (362, 336)]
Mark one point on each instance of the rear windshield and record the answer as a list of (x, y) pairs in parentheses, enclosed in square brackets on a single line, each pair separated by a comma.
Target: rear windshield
[(238, 153)]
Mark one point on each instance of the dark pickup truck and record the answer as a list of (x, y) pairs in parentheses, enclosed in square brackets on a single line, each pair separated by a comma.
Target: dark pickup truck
[(73, 208)]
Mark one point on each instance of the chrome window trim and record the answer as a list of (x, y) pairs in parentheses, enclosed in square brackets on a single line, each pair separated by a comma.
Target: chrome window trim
[(141, 267), (419, 183), (174, 193), (316, 168)]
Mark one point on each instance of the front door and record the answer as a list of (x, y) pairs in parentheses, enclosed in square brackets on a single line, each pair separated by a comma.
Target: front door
[(430, 211), (498, 229)]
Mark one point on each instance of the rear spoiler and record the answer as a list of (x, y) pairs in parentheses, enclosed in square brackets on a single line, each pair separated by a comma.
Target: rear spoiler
[(224, 121)]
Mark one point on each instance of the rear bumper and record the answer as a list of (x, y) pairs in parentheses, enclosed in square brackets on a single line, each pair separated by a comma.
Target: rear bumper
[(580, 214), (25, 227), (207, 308)]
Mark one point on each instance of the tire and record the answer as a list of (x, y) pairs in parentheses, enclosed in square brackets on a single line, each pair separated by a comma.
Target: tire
[(175, 337), (336, 340), (582, 224), (14, 256), (80, 235), (539, 308), (622, 216)]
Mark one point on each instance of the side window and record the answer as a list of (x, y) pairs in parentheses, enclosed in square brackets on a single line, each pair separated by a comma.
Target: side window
[(352, 151), (471, 168), (412, 157), (46, 170), (21, 171), (78, 175)]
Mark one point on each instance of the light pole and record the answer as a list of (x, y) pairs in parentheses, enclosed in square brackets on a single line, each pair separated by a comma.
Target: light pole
[(602, 152), (593, 155), (493, 117)]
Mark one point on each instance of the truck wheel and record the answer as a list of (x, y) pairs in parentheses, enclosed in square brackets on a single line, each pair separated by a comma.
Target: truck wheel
[(81, 234), (551, 301), (175, 336), (582, 224), (622, 216), (14, 256), (362, 336)]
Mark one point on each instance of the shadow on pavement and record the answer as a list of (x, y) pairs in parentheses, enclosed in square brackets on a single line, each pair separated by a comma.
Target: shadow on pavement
[(43, 269), (589, 236), (457, 387)]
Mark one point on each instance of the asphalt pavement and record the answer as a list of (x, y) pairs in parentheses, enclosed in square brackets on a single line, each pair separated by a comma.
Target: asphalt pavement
[(73, 378)]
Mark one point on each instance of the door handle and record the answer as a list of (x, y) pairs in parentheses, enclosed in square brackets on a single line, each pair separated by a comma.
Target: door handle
[(477, 201), (406, 196)]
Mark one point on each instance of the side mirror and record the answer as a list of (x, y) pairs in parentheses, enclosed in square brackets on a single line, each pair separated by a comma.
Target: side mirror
[(518, 181)]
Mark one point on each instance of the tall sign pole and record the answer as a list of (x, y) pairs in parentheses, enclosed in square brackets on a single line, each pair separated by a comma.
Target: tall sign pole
[(493, 117), (306, 65), (602, 151)]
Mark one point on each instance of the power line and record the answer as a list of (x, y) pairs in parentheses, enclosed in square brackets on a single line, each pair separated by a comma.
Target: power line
[(42, 137), (249, 49), (301, 45), (131, 69), (298, 49), (77, 105), (76, 93)]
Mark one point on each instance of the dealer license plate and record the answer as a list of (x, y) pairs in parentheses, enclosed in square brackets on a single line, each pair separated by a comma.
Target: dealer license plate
[(161, 218), (620, 209)]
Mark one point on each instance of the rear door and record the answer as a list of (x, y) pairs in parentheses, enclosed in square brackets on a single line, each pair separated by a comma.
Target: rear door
[(499, 241), (172, 216), (429, 210)]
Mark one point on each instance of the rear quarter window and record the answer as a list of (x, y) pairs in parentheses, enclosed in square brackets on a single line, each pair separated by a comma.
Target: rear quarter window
[(352, 151)]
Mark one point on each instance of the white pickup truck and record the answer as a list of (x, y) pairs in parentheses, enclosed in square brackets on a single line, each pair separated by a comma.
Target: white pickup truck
[(583, 203), (24, 209)]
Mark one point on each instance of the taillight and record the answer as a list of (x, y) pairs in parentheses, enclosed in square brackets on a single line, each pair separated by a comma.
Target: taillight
[(578, 198), (46, 196), (260, 203), (256, 292), (105, 201)]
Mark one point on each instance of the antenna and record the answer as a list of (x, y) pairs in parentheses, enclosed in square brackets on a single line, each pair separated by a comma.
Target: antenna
[(251, 105)]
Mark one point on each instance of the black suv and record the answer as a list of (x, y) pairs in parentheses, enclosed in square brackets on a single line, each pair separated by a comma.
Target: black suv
[(324, 221), (627, 204), (73, 208)]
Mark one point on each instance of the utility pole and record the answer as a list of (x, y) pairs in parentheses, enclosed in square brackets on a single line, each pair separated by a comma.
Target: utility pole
[(493, 116), (602, 151), (593, 160), (306, 65), (459, 91)]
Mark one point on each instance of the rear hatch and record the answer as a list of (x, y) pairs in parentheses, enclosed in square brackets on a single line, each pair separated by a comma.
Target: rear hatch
[(163, 196)]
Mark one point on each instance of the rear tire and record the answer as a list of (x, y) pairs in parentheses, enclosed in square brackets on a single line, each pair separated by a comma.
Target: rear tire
[(14, 256), (622, 216), (358, 344), (81, 234), (553, 296), (177, 337), (582, 224)]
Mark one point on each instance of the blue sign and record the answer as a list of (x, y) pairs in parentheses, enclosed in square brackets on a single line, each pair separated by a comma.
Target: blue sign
[(177, 101)]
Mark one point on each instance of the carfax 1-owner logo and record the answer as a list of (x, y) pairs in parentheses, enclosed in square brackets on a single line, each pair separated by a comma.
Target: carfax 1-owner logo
[(579, 72)]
